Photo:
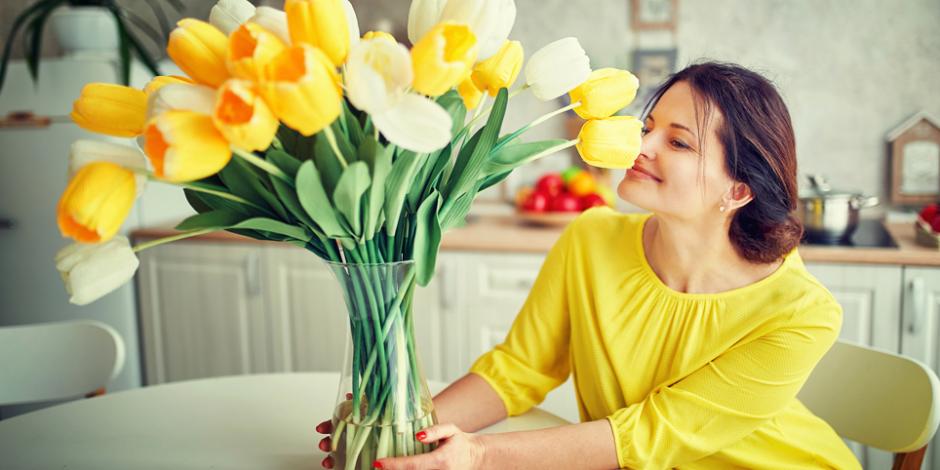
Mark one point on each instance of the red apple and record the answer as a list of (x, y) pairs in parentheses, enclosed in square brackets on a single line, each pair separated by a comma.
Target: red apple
[(550, 184), (592, 200), (935, 223), (535, 202), (566, 202), (929, 212)]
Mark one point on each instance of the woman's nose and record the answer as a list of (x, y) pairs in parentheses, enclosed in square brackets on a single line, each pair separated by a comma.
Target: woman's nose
[(648, 147)]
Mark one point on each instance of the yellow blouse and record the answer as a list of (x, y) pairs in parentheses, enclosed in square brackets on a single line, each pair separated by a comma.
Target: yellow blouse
[(698, 381)]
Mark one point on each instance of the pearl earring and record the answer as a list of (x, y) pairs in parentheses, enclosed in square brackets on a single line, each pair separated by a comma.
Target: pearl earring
[(721, 208)]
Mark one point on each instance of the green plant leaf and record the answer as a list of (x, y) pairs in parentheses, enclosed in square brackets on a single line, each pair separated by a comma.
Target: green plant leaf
[(328, 166), (493, 179), (274, 226), (313, 198), (18, 22), (238, 180), (353, 129), (457, 213), (32, 43), (380, 165), (283, 160), (217, 219), (288, 197), (466, 172), (427, 238), (301, 147), (453, 104), (515, 155), (399, 181), (353, 183)]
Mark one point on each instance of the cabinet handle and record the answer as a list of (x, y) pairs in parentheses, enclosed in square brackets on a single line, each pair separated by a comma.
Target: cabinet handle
[(252, 274), (917, 300)]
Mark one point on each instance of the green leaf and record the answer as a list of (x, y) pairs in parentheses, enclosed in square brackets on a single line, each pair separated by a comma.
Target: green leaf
[(216, 202), (217, 219), (243, 181), (274, 226), (327, 165), (283, 160), (288, 197), (380, 164), (33, 42), (427, 239), (458, 212), (296, 144), (494, 179), (18, 22), (353, 129), (353, 183), (515, 155), (416, 193), (397, 185), (466, 172), (453, 104), (313, 199)]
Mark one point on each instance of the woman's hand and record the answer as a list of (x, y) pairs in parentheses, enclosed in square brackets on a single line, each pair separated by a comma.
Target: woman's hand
[(456, 450)]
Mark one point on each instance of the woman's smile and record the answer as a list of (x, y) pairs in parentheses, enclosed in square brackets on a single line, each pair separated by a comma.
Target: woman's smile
[(642, 174)]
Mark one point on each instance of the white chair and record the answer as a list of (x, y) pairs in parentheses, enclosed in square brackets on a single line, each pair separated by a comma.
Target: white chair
[(877, 398), (55, 361)]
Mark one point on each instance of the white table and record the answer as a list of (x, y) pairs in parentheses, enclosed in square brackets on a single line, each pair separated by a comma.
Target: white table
[(243, 422)]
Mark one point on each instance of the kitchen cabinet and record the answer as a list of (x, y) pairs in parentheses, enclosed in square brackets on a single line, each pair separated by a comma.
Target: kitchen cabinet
[(920, 328)]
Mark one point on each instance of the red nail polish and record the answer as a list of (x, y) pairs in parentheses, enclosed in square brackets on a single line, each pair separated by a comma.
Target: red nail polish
[(377, 464), (421, 435)]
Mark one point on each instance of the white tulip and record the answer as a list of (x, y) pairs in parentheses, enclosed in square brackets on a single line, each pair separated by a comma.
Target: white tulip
[(422, 16), (415, 123), (352, 22), (377, 73), (198, 98), (557, 69), (228, 15), (490, 20), (89, 271), (273, 20), (85, 151)]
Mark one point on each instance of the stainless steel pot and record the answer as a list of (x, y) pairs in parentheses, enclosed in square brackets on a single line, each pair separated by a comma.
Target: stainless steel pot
[(829, 214)]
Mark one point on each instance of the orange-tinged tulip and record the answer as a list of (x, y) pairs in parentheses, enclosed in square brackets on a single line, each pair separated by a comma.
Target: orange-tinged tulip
[(250, 48), (111, 109), (610, 143), (319, 23), (96, 202), (470, 93), (199, 49), (185, 146), (161, 81), (242, 116), (303, 89), (605, 92), (443, 58), (500, 70)]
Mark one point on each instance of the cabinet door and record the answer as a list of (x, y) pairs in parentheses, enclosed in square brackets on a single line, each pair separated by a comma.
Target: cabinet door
[(310, 322), (201, 311), (920, 333), (493, 289), (871, 302)]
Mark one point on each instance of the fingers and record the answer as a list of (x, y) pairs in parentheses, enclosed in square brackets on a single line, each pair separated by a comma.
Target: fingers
[(325, 427), (327, 462), (325, 444), (437, 432), (414, 462)]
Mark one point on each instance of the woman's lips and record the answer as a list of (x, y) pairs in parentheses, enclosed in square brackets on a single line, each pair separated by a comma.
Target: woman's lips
[(638, 172)]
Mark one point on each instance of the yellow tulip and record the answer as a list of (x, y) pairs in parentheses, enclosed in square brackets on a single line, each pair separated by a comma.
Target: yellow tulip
[(250, 47), (111, 109), (319, 23), (161, 81), (443, 58), (378, 35), (470, 93), (610, 143), (242, 116), (605, 92), (199, 49), (501, 70), (185, 146), (303, 89), (96, 202)]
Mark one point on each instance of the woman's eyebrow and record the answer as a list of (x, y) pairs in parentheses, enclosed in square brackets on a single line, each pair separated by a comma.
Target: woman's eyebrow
[(674, 125)]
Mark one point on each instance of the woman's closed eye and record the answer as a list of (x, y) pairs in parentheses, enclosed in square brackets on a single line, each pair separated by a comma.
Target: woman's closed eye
[(679, 144)]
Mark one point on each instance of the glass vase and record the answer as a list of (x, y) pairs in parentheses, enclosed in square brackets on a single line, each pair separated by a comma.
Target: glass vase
[(383, 398)]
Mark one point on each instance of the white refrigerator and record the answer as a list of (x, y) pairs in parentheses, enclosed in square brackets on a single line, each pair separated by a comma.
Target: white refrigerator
[(33, 173)]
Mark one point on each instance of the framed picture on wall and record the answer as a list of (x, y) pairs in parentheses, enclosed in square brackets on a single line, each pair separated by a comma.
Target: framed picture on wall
[(653, 14), (652, 67), (914, 148)]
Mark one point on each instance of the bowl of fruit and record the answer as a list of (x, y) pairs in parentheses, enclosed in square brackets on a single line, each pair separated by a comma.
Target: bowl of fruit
[(928, 226), (558, 198)]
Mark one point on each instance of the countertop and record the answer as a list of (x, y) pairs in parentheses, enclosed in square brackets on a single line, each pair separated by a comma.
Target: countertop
[(505, 233)]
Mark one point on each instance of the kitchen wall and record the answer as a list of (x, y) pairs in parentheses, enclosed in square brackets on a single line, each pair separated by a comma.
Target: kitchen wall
[(850, 70)]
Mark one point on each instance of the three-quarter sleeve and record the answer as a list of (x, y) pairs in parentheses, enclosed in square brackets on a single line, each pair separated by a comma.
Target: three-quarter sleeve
[(534, 357), (727, 398)]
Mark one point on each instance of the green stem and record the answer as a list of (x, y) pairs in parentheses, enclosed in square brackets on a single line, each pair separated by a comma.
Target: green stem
[(265, 165), (331, 138), (172, 238)]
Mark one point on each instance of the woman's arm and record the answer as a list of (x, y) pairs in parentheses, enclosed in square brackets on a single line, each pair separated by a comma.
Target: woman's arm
[(470, 403), (584, 446)]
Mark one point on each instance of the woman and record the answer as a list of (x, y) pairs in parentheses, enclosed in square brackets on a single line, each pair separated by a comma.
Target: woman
[(689, 331)]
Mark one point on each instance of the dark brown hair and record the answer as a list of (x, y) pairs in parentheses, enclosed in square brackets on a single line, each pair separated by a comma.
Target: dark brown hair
[(760, 151)]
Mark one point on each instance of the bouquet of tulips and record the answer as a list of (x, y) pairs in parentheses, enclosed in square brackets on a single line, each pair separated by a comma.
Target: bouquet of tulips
[(289, 126)]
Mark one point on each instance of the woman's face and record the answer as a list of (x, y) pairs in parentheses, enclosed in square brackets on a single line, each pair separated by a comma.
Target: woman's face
[(668, 175)]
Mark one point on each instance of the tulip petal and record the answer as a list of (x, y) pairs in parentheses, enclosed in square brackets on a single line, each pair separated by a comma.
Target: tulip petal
[(161, 81), (228, 15), (416, 123), (422, 16), (242, 116), (96, 202), (84, 152), (110, 109), (377, 73), (302, 88), (613, 142), (320, 23), (557, 68), (199, 49), (196, 98), (443, 58), (273, 20), (91, 271), (352, 22), (185, 146)]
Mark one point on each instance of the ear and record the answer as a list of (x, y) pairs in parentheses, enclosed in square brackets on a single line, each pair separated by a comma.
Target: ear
[(738, 196)]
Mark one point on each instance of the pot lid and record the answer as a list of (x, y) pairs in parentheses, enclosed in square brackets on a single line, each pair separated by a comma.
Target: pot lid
[(819, 188)]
